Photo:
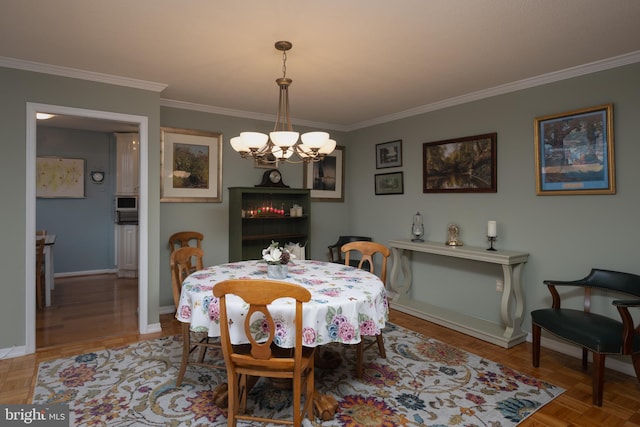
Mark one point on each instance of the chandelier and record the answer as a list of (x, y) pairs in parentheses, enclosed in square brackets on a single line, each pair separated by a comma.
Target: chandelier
[(282, 143)]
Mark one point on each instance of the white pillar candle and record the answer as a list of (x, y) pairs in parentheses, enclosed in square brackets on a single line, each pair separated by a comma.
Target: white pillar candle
[(491, 229)]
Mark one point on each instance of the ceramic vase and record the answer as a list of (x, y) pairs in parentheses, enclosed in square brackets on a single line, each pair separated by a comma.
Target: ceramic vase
[(277, 271)]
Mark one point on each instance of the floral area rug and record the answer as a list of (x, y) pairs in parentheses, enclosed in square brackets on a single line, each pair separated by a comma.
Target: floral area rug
[(422, 382)]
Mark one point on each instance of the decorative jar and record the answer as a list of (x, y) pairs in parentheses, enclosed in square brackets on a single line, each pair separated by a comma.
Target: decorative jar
[(277, 271)]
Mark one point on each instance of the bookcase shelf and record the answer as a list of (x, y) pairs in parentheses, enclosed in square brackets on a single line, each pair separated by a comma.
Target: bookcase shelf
[(249, 235)]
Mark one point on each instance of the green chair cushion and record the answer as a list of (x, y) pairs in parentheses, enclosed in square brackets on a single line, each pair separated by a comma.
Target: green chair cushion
[(596, 332)]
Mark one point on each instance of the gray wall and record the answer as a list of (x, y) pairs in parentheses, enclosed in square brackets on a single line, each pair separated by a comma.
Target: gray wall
[(212, 219), (18, 88), (84, 228), (565, 235)]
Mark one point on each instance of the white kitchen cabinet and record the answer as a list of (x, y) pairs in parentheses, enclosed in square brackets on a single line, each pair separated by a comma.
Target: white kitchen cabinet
[(127, 250), (127, 159)]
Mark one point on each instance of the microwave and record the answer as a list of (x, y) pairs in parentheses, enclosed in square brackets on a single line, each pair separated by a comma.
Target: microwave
[(126, 203)]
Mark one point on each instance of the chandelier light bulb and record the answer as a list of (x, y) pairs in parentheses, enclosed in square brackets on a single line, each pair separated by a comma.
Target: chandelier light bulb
[(280, 154), (315, 139), (284, 138), (254, 140), (238, 145), (282, 143), (303, 151), (328, 147)]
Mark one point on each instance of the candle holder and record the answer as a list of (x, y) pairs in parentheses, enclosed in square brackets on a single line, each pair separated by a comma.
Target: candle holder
[(491, 240)]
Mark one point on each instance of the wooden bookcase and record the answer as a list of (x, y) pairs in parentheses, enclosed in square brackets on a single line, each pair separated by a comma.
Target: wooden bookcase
[(251, 231)]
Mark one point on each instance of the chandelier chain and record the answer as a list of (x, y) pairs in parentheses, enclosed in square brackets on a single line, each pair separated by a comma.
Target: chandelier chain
[(284, 64), (282, 143)]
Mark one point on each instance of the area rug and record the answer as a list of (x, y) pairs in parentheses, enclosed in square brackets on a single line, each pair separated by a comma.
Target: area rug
[(422, 382)]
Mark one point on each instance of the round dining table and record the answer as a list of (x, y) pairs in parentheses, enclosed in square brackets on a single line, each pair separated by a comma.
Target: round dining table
[(346, 302)]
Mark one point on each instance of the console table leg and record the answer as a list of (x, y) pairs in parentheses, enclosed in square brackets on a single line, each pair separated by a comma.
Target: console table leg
[(512, 290), (400, 266)]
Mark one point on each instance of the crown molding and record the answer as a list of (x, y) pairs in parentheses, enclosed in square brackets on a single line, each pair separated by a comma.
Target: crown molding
[(81, 74), (593, 67), (245, 114)]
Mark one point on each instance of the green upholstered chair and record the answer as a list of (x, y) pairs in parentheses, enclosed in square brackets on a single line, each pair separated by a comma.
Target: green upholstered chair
[(596, 333)]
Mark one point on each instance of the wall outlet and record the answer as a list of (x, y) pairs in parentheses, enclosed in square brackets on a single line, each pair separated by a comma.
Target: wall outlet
[(499, 285)]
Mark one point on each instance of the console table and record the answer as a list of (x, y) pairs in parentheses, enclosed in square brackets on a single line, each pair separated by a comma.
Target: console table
[(507, 334)]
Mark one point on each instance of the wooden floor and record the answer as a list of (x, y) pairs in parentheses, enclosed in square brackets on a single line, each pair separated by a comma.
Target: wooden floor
[(62, 331)]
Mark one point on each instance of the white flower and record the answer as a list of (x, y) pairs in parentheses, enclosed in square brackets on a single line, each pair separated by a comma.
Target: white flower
[(272, 255), (276, 255)]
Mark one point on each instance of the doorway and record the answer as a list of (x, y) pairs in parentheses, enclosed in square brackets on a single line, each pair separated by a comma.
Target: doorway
[(107, 117)]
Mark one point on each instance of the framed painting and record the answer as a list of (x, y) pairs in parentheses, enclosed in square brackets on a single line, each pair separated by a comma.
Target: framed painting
[(574, 152), (268, 162), (325, 178), (191, 166), (389, 183), (461, 165), (389, 154), (57, 177)]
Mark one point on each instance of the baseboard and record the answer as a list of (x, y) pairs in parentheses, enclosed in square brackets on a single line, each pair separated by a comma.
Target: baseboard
[(167, 309), (85, 273), (11, 352), (152, 328), (574, 351)]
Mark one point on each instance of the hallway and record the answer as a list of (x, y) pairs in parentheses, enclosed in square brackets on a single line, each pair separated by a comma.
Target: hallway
[(86, 308)]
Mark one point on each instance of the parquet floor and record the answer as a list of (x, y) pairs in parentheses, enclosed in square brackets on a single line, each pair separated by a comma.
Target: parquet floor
[(111, 303)]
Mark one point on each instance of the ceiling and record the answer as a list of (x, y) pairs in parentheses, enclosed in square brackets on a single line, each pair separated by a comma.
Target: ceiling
[(353, 62)]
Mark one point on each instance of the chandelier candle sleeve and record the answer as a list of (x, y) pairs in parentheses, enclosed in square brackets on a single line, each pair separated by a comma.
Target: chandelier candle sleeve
[(491, 229)]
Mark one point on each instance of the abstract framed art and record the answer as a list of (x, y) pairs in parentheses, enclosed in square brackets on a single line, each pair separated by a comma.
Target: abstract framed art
[(58, 177), (574, 152)]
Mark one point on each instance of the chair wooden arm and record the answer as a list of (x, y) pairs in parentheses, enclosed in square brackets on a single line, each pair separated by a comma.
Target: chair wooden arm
[(596, 333), (628, 329), (551, 285), (627, 303)]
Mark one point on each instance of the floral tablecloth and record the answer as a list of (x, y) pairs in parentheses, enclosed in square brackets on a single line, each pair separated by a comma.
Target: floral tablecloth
[(346, 302)]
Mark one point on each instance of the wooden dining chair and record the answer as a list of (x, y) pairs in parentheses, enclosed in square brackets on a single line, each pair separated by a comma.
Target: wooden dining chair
[(335, 253), (264, 358), (368, 251), (40, 278), (183, 239), (182, 260)]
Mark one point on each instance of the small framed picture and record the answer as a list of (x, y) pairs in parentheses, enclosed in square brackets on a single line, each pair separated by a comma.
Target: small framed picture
[(389, 183), (325, 178), (389, 154), (267, 162), (574, 152)]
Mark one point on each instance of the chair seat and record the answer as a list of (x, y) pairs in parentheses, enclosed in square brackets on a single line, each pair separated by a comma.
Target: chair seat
[(596, 332)]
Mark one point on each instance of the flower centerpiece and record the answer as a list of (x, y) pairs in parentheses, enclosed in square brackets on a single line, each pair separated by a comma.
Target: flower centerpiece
[(277, 259)]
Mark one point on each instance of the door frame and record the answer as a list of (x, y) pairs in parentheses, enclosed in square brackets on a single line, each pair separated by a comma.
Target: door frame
[(143, 198)]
